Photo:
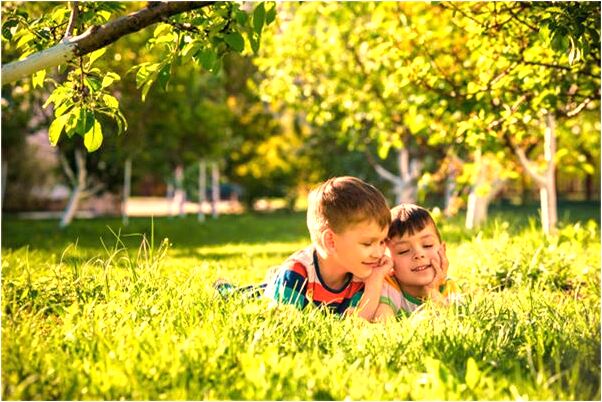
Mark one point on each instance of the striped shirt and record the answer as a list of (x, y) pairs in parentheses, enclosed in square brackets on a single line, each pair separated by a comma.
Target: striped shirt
[(403, 303), (298, 282)]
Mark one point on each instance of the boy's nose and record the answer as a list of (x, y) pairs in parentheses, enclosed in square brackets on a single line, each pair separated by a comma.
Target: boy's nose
[(378, 251), (418, 254)]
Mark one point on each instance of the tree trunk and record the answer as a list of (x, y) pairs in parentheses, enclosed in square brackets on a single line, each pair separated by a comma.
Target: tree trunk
[(488, 177), (589, 187), (547, 181), (214, 190), (77, 190), (127, 181), (202, 187), (547, 192), (179, 197), (404, 184), (476, 213), (96, 37), (4, 173), (451, 204)]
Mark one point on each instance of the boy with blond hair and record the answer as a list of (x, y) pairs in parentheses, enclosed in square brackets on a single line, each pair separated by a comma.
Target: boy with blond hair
[(345, 266), (419, 264)]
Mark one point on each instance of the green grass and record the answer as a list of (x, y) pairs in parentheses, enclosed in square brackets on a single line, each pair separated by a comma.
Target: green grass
[(103, 312)]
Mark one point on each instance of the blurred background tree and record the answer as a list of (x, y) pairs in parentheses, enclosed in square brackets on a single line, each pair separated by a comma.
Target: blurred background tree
[(455, 105)]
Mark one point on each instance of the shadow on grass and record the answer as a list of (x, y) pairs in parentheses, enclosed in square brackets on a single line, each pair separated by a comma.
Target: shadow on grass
[(183, 233), (187, 234)]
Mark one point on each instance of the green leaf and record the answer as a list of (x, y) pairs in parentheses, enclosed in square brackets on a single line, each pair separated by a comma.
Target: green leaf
[(241, 17), (63, 108), (96, 55), (161, 30), (93, 137), (207, 58), (166, 38), (56, 128), (259, 17), (270, 15), (109, 78), (72, 121), (85, 121), (93, 83), (235, 41), (110, 101), (145, 88), (163, 77), (254, 42), (189, 50), (38, 79), (560, 43)]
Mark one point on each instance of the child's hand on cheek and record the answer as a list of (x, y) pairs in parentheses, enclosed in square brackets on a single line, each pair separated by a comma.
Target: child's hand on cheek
[(440, 265), (384, 268), (443, 260)]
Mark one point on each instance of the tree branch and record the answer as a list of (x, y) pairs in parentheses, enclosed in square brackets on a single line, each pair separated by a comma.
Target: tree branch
[(524, 161), (72, 20), (558, 67), (579, 107), (67, 169), (96, 37), (382, 172)]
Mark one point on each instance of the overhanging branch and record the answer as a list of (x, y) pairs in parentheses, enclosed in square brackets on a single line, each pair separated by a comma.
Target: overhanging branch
[(96, 37)]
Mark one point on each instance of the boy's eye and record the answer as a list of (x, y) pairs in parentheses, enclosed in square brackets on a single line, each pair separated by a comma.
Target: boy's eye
[(366, 244), (400, 252), (428, 245)]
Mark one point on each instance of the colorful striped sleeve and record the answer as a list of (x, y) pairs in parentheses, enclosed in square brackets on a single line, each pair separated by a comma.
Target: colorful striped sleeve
[(290, 286)]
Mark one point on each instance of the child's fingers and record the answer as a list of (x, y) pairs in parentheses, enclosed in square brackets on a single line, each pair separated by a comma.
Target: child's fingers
[(443, 258)]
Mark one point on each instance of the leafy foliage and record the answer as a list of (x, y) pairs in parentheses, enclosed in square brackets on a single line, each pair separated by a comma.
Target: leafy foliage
[(81, 96)]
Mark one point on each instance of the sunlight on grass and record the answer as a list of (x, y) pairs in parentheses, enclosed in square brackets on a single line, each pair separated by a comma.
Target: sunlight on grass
[(121, 319)]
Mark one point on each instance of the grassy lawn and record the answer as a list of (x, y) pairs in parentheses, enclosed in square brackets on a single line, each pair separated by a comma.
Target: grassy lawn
[(98, 311)]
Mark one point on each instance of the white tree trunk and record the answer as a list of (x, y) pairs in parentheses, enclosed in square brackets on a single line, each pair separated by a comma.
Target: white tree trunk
[(4, 173), (547, 192), (179, 197), (214, 190), (547, 181), (453, 168), (476, 213), (127, 181), (202, 187), (478, 201), (404, 184), (77, 190)]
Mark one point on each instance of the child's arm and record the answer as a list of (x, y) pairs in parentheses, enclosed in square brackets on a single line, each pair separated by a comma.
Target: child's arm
[(372, 289), (383, 313), (289, 286)]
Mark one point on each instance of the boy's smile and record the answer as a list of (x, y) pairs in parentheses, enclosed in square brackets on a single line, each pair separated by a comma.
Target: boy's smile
[(421, 268), (412, 255)]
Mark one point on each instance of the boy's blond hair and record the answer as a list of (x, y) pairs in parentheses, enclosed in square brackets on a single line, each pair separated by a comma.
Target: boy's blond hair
[(340, 202)]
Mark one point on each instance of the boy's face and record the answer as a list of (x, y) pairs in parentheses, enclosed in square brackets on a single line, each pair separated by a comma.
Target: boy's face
[(360, 247), (412, 255)]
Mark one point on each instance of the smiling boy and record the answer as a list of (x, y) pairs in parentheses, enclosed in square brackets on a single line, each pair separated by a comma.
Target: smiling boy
[(419, 263), (345, 266)]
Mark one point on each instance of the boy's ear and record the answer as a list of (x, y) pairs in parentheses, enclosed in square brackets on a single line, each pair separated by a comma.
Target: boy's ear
[(328, 240)]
